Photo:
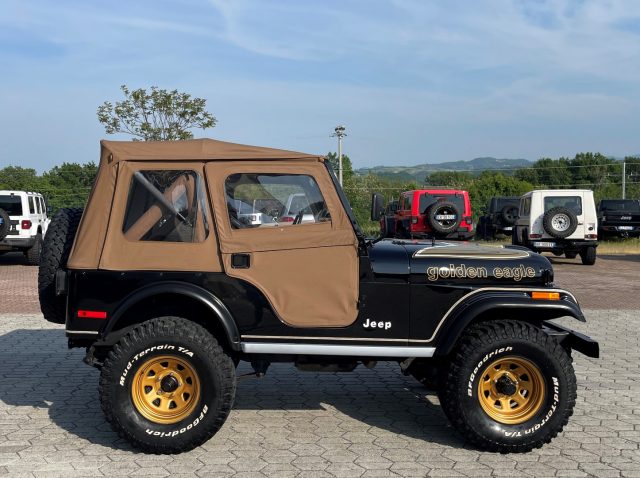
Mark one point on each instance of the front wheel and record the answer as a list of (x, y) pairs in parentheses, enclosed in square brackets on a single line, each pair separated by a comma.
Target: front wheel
[(167, 386), (510, 387)]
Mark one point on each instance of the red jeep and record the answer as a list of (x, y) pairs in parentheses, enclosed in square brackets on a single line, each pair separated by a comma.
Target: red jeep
[(441, 213)]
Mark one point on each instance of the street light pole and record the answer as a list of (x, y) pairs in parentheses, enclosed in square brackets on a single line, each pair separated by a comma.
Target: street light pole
[(339, 132), (624, 179)]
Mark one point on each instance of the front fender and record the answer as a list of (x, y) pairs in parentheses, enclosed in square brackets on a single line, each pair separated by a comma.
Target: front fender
[(213, 303), (494, 304)]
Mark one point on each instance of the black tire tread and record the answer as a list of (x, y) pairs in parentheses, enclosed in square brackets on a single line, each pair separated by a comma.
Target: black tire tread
[(171, 327), (588, 256), (54, 256), (485, 334), (34, 253)]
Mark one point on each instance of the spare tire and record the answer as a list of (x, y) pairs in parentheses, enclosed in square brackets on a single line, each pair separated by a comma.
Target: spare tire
[(5, 224), (560, 222), (443, 217), (509, 214), (55, 253)]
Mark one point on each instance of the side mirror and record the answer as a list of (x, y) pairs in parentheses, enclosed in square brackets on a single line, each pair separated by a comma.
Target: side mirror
[(377, 206)]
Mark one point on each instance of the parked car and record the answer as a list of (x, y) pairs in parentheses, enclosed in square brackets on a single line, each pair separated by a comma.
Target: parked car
[(297, 208), (499, 218), (167, 296), (561, 221), (23, 223), (254, 215), (438, 213), (619, 217)]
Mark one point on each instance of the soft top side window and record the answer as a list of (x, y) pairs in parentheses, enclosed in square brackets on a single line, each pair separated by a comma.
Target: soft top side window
[(167, 206), (268, 200)]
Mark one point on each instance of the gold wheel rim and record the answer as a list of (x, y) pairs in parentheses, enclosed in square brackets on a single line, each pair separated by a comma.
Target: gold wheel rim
[(165, 389), (511, 390)]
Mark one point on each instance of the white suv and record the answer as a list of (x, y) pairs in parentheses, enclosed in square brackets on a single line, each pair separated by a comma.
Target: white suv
[(23, 223), (561, 221)]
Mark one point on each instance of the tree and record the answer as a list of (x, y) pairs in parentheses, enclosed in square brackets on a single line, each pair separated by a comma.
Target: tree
[(19, 178), (347, 168), (157, 115), (449, 179)]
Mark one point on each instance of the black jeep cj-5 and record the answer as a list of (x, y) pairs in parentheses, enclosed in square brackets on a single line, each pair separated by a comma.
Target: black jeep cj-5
[(168, 288)]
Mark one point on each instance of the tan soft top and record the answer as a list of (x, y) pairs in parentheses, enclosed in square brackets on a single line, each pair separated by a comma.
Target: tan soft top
[(115, 155), (194, 149)]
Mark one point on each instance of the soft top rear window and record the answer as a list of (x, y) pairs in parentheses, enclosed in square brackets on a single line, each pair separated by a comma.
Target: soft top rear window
[(427, 200), (11, 204), (630, 205)]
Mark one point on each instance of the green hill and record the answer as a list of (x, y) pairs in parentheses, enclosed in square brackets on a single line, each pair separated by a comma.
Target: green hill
[(420, 171)]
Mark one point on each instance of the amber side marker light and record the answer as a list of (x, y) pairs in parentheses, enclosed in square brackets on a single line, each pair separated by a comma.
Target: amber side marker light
[(92, 314), (545, 295)]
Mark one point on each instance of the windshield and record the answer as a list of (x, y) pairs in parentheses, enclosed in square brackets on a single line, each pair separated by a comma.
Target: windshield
[(11, 204), (620, 205)]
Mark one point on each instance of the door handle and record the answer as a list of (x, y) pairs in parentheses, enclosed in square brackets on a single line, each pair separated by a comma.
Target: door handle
[(240, 261)]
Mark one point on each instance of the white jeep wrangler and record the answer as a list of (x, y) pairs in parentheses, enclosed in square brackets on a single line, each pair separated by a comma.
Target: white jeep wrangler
[(561, 221), (23, 223)]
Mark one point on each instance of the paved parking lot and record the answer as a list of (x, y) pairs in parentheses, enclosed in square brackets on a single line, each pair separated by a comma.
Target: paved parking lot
[(369, 423)]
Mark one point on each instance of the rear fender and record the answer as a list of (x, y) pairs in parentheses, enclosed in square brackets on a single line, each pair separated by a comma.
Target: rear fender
[(494, 305), (218, 310)]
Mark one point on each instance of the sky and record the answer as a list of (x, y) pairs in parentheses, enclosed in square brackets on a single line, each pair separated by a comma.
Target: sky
[(413, 81)]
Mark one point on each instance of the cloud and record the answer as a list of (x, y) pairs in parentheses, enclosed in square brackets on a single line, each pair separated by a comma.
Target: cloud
[(411, 79)]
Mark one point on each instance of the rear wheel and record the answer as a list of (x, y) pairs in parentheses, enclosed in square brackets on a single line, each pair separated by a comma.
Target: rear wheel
[(510, 387), (588, 256), (33, 253), (167, 386)]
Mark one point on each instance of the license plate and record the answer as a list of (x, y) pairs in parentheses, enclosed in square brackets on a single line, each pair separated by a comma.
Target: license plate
[(508, 229), (544, 244), (445, 217), (625, 228)]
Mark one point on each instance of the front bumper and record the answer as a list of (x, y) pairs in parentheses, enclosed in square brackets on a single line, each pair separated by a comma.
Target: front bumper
[(575, 340)]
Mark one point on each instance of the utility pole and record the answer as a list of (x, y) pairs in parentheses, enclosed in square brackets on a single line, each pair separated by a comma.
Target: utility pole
[(624, 179), (339, 132)]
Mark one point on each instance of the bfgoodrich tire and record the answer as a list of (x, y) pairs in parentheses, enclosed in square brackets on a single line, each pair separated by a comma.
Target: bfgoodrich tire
[(167, 386), (510, 387), (53, 257)]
